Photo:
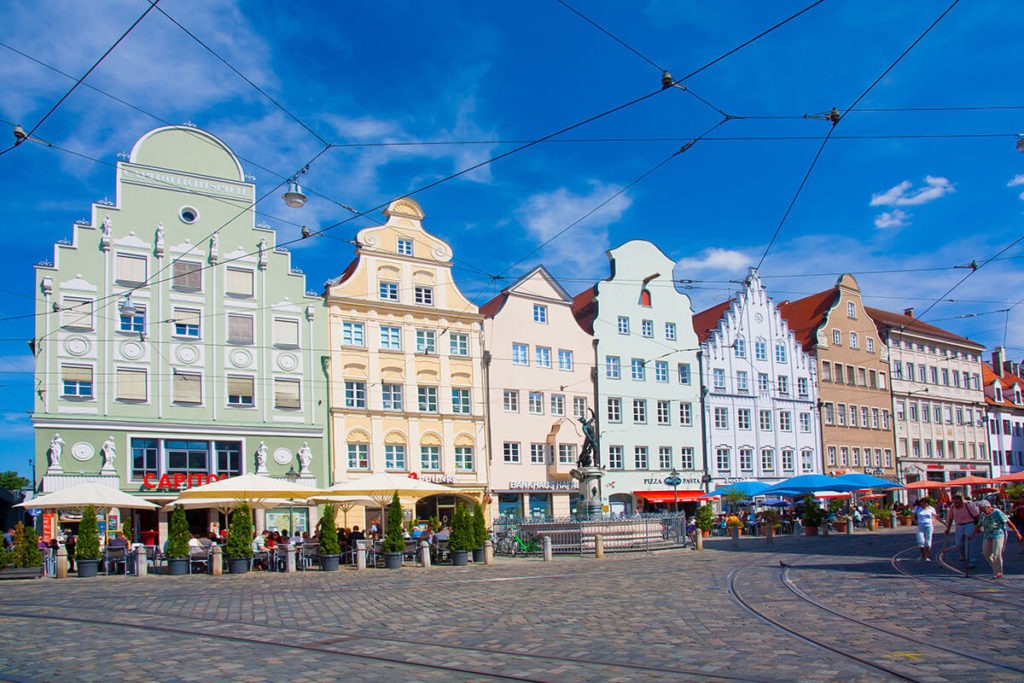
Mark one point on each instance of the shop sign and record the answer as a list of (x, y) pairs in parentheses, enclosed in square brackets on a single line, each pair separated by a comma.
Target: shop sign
[(544, 485), (661, 482), (433, 478), (178, 481), (877, 471)]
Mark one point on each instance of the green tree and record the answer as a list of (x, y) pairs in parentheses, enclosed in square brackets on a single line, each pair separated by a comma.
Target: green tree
[(240, 533), (705, 518), (12, 481), (88, 547), (394, 541), (479, 527), (462, 531), (813, 515), (329, 532), (177, 536), (126, 528), (26, 547)]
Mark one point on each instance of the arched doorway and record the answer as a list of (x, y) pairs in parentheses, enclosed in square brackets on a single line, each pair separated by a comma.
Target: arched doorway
[(442, 506)]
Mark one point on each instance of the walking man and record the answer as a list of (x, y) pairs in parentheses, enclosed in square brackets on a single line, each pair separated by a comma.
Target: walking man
[(965, 515)]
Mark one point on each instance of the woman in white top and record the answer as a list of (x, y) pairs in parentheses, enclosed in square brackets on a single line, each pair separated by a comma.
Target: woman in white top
[(925, 514)]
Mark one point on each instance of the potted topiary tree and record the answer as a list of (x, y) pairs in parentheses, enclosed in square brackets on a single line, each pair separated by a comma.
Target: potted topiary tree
[(330, 549), (239, 546), (87, 551), (394, 541), (177, 543), (479, 533), (461, 540), (812, 517), (705, 520), (127, 530), (24, 560)]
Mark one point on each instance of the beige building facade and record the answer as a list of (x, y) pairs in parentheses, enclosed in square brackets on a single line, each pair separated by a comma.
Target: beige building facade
[(405, 364)]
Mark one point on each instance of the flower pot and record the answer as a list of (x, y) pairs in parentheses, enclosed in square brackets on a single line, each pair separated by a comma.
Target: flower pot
[(393, 560), (177, 566), (872, 524), (841, 527), (87, 568), (478, 555), (905, 521), (460, 558), (21, 572), (238, 565), (705, 533), (810, 531), (329, 563)]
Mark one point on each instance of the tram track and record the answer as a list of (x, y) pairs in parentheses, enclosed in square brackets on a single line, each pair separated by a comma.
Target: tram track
[(943, 586)]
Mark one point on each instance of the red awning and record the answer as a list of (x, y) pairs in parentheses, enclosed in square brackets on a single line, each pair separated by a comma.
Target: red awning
[(668, 496)]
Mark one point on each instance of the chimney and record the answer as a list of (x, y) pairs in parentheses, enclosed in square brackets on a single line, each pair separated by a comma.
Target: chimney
[(998, 359), (909, 312)]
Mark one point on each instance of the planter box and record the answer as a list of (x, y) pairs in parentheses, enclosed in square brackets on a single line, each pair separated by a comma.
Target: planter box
[(460, 558), (177, 566), (87, 568), (393, 560), (841, 527), (329, 563), (238, 565), (478, 555), (810, 531), (21, 573)]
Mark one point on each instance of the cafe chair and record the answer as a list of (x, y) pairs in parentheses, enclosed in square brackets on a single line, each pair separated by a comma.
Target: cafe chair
[(114, 558)]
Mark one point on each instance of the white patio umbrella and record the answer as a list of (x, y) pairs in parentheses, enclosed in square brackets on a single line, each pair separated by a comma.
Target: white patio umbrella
[(224, 505), (344, 503), (250, 488), (79, 496), (381, 486)]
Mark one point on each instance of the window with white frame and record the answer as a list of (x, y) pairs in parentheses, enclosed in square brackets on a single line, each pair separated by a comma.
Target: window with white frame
[(788, 461), (640, 411), (458, 344), (404, 247), (510, 452), (686, 458), (722, 458), (186, 323), (564, 359), (131, 385), (807, 460), (870, 343), (557, 405), (135, 322), (566, 453), (287, 394), (743, 418), (647, 328), (358, 456), (805, 422), (76, 381), (615, 410), (765, 420), (623, 324), (831, 456), (664, 414), (764, 383), (761, 350), (615, 457), (426, 399), (746, 460), (579, 406), (285, 332), (394, 457), (767, 460), (721, 418), (355, 394), (785, 421), (430, 458), (188, 387), (837, 337), (536, 403), (780, 353), (783, 383), (391, 396), (510, 400), (853, 340), (387, 291), (665, 457), (543, 356), (638, 370), (640, 457), (426, 341), (538, 453), (520, 354), (464, 459), (670, 331), (660, 371), (540, 313), (684, 373), (238, 282), (829, 413), (739, 347), (851, 310), (718, 379), (685, 414), (612, 367), (461, 401), (240, 329), (352, 333), (130, 269), (241, 391), (803, 387), (742, 382)]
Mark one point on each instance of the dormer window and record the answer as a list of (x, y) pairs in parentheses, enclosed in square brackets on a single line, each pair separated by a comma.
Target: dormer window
[(998, 392), (404, 247), (1016, 395)]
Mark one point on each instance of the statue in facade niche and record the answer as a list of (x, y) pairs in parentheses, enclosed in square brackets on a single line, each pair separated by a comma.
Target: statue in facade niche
[(305, 458), (261, 458), (159, 251), (109, 451), (56, 451), (213, 248), (105, 233)]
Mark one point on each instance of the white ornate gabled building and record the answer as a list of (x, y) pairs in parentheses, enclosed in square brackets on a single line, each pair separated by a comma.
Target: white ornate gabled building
[(761, 403)]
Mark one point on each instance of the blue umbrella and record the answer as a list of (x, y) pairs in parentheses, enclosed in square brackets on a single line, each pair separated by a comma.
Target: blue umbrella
[(777, 503), (809, 483), (747, 488), (866, 481)]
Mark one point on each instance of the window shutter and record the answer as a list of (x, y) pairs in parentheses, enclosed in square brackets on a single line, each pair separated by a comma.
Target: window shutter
[(240, 282), (131, 385), (131, 268), (286, 394), (77, 313), (76, 373), (188, 388), (188, 275), (286, 332), (186, 317), (240, 386), (240, 329)]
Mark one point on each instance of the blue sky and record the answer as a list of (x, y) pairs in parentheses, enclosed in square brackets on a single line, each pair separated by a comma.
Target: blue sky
[(921, 176)]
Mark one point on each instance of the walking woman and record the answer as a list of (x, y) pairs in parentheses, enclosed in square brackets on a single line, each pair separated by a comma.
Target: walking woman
[(925, 514), (993, 525)]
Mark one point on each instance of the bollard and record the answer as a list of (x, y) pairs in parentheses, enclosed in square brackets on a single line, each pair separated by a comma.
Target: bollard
[(62, 562), (360, 555), (849, 526), (488, 552), (289, 562), (141, 561), (735, 530), (769, 533), (547, 548), (700, 540), (217, 561), (599, 546), (425, 554)]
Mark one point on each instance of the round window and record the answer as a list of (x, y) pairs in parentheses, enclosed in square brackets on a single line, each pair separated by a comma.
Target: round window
[(188, 214)]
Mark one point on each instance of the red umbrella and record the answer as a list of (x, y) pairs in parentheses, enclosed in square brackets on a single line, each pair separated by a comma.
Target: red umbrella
[(1016, 476), (969, 481), (925, 484), (871, 496)]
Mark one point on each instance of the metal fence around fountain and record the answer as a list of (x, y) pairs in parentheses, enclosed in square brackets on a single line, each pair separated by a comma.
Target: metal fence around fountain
[(572, 536)]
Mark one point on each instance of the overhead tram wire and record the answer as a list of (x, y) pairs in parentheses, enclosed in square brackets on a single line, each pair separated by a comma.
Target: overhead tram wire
[(28, 135), (836, 121)]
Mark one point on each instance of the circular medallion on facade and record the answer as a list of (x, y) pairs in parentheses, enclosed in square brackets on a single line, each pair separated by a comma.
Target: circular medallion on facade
[(76, 346), (282, 456), (287, 362), (82, 451), (240, 358), (187, 354), (131, 350)]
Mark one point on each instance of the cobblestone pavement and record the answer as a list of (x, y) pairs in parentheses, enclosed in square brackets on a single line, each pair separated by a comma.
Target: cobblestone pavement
[(673, 615)]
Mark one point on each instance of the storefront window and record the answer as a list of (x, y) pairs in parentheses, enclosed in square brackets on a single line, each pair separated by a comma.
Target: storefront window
[(540, 505), (509, 505)]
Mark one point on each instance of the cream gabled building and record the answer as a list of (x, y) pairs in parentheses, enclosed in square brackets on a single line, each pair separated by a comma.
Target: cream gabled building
[(405, 366)]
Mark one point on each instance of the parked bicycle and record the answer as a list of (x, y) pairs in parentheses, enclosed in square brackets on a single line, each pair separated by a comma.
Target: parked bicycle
[(512, 543)]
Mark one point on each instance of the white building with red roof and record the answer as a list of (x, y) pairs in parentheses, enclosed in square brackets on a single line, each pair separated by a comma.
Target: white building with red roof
[(1004, 397)]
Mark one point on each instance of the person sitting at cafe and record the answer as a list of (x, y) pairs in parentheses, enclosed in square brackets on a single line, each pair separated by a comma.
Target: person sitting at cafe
[(194, 544), (271, 540), (443, 535), (259, 545), (355, 535)]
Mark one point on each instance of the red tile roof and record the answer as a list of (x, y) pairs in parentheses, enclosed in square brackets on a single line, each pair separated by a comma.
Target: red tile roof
[(584, 308), (1006, 381), (890, 320), (491, 308), (705, 322), (346, 274), (806, 315)]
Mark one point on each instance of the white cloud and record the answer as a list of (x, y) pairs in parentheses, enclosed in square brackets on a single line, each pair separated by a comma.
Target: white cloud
[(546, 214), (714, 259), (891, 219), (902, 195), (1017, 181)]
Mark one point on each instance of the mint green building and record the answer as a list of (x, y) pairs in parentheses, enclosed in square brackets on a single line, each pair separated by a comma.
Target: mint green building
[(174, 343)]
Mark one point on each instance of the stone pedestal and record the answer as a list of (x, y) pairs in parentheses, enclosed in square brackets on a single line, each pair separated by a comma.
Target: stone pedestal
[(590, 490)]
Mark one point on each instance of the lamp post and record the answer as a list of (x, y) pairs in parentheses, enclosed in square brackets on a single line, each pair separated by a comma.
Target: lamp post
[(674, 481), (292, 476)]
